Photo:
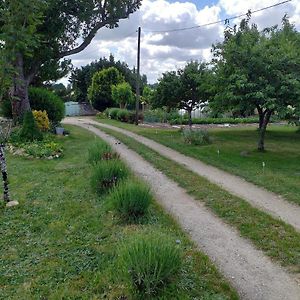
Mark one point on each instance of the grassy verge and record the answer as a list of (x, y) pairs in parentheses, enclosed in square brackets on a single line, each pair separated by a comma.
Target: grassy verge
[(277, 239), (238, 155), (62, 241)]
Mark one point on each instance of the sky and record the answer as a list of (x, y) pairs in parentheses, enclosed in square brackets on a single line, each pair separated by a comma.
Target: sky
[(161, 52)]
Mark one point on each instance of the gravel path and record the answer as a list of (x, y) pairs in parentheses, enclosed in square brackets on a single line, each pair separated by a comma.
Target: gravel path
[(252, 273), (258, 197)]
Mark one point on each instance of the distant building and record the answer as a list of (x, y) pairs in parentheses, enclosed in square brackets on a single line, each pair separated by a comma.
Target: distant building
[(79, 109)]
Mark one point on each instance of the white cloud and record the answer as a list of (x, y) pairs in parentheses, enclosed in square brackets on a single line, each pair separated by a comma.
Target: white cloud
[(265, 18), (161, 52)]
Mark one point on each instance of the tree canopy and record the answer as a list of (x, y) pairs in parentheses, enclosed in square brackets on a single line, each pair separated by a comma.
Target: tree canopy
[(38, 34), (81, 78), (258, 70), (100, 91), (187, 88), (122, 94)]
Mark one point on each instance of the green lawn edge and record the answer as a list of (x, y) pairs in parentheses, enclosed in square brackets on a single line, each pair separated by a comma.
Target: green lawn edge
[(277, 239), (61, 242), (282, 172)]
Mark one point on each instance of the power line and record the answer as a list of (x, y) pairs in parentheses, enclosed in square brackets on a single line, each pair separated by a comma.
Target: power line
[(220, 21)]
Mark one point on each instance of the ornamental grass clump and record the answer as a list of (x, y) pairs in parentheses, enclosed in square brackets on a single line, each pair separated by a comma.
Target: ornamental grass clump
[(100, 151), (107, 174), (131, 199), (196, 137), (150, 262)]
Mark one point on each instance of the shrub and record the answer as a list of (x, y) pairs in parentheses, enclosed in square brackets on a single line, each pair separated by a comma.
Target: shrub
[(100, 151), (196, 137), (6, 110), (150, 262), (107, 174), (123, 115), (42, 99), (131, 200), (41, 119), (113, 113), (30, 131)]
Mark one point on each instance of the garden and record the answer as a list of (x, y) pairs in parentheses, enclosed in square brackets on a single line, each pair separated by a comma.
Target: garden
[(93, 233)]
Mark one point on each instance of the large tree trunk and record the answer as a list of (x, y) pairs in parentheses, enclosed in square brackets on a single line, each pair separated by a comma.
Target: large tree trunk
[(19, 90), (262, 130)]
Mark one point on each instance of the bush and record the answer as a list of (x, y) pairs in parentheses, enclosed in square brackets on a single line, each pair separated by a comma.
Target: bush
[(6, 110), (42, 99), (184, 121), (150, 262), (41, 119), (196, 137), (123, 115), (107, 174), (131, 200), (30, 131), (100, 151)]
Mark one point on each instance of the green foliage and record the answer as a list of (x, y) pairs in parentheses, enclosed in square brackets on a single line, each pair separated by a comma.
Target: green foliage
[(100, 91), (100, 151), (258, 70), (131, 199), (196, 136), (147, 96), (81, 78), (107, 174), (187, 88), (42, 99), (160, 115), (30, 131), (5, 106), (122, 94), (122, 115), (150, 261), (184, 121)]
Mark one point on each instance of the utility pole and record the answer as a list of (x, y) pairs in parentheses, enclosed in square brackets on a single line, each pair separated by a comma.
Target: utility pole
[(137, 103)]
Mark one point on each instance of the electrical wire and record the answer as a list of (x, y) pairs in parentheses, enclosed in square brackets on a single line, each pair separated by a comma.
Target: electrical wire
[(219, 21)]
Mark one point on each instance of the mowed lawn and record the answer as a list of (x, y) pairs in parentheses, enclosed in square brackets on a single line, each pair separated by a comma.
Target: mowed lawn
[(234, 150), (62, 241)]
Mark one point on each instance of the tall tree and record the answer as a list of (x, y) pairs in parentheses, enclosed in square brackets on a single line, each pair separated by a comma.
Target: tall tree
[(100, 91), (122, 94), (81, 78), (38, 34), (194, 88), (259, 70), (187, 88)]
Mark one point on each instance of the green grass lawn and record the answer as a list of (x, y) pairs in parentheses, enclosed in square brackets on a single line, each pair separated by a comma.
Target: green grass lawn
[(278, 240), (62, 241), (238, 154)]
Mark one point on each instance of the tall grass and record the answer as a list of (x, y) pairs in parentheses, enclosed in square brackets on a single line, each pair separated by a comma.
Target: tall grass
[(131, 199), (107, 174), (150, 261), (100, 151)]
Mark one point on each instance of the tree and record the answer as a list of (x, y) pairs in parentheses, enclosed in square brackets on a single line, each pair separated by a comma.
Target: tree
[(38, 34), (81, 78), (167, 91), (194, 87), (259, 70), (187, 88), (100, 91), (122, 94)]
